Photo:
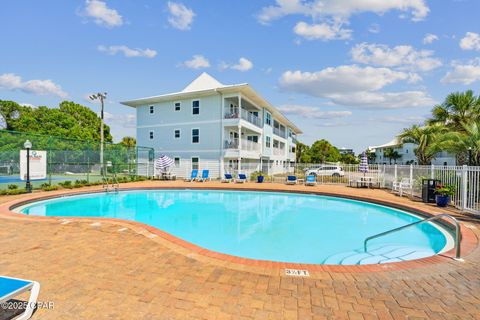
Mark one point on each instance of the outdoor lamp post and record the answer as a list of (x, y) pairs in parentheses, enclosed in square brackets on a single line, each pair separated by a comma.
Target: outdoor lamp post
[(28, 145), (101, 97), (469, 156)]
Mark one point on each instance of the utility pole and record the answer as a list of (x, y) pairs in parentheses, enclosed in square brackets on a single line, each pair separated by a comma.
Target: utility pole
[(101, 97)]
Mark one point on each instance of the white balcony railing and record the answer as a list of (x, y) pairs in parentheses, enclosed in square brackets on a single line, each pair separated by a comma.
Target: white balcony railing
[(245, 115), (278, 151), (247, 145), (278, 132)]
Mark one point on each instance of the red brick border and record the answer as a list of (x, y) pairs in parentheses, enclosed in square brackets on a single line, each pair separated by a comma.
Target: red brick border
[(468, 243)]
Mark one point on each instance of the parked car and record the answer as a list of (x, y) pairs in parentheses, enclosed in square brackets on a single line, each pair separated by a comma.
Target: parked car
[(327, 170)]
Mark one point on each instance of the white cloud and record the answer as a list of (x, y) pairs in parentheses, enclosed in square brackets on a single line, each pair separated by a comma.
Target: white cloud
[(243, 65), (429, 38), (399, 56), (120, 120), (463, 73), (403, 120), (197, 62), (341, 9), (322, 31), (355, 86), (11, 81), (128, 52), (181, 17), (102, 14), (341, 79), (312, 112), (471, 41)]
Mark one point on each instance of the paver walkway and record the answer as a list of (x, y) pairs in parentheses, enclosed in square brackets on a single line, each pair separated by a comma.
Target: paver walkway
[(104, 271)]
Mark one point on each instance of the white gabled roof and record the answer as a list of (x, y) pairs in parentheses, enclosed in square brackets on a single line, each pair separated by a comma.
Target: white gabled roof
[(395, 142), (204, 85), (203, 82)]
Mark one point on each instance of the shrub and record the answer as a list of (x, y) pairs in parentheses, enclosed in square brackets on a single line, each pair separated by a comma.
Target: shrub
[(12, 187), (11, 192), (44, 185), (50, 188), (66, 184)]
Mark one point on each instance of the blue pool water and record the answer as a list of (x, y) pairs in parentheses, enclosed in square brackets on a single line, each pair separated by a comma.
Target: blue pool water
[(282, 227)]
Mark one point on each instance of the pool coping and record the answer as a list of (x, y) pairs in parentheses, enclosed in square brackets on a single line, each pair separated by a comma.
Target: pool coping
[(468, 242)]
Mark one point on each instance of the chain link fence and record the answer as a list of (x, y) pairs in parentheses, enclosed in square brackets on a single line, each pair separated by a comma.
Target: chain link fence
[(71, 159)]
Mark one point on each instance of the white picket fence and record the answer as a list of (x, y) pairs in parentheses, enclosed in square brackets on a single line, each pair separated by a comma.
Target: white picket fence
[(465, 179)]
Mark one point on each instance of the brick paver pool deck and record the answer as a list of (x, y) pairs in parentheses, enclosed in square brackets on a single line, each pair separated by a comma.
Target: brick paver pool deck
[(105, 269)]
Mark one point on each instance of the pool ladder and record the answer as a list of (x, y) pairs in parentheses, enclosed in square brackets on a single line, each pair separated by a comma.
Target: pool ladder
[(106, 185), (457, 238)]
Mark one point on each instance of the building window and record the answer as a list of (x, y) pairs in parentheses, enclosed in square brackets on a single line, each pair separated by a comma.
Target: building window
[(152, 109), (177, 161), (177, 133), (195, 107), (195, 135), (195, 162), (268, 142), (151, 135), (177, 106), (253, 138), (268, 118)]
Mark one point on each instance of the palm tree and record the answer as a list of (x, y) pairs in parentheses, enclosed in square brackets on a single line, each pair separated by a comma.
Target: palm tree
[(425, 138), (395, 156), (458, 108), (388, 153), (466, 141)]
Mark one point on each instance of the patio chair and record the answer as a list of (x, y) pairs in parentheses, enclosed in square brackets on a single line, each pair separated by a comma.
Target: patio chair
[(204, 176), (402, 187), (310, 180), (228, 178), (193, 176), (242, 178), (291, 180), (12, 287)]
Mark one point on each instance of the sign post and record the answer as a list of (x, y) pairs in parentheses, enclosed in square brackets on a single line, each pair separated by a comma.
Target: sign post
[(33, 165)]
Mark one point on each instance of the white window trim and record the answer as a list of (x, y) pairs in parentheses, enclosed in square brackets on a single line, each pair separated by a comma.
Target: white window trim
[(151, 134), (199, 107), (191, 137), (191, 161), (179, 134), (174, 107)]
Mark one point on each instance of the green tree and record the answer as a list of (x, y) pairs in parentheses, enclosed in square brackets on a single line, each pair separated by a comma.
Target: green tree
[(9, 112), (301, 154), (349, 159), (426, 139), (322, 151), (466, 141), (130, 142), (457, 109)]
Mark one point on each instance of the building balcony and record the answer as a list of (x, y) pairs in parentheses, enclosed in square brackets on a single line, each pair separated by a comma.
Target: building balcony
[(280, 133), (245, 115), (246, 145), (278, 152)]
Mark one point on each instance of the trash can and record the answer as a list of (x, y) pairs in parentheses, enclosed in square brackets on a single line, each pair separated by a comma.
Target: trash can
[(260, 179), (428, 190)]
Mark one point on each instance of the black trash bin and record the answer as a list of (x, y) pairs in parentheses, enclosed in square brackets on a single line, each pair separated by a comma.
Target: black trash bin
[(428, 190)]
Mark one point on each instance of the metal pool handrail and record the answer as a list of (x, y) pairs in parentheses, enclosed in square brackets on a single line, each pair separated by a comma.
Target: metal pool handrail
[(457, 238)]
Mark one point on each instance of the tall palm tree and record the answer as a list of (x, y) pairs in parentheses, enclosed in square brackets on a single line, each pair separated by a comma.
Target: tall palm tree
[(458, 108), (466, 141), (388, 153), (425, 138), (395, 156)]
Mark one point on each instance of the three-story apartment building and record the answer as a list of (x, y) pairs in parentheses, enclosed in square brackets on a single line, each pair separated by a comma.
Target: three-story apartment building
[(230, 127)]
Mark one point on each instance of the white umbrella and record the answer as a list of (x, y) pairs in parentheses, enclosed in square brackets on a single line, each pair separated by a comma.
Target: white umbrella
[(163, 163)]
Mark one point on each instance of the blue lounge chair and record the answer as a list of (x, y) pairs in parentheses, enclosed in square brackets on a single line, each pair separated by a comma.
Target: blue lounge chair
[(204, 176), (291, 180), (242, 178), (228, 178), (193, 175), (12, 287), (310, 180)]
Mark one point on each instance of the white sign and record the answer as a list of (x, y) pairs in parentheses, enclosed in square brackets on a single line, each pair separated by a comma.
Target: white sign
[(38, 164), (297, 273)]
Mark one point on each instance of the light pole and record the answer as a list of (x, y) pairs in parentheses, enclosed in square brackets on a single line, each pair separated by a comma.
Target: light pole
[(28, 145), (101, 97)]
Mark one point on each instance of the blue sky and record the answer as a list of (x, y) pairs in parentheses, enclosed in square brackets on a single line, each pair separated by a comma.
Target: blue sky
[(352, 72)]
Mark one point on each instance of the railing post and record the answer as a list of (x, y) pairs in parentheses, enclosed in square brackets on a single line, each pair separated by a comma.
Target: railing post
[(411, 179), (395, 174), (432, 171), (464, 187)]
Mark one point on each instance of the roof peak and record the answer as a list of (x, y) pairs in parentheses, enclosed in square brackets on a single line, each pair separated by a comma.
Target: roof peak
[(203, 82)]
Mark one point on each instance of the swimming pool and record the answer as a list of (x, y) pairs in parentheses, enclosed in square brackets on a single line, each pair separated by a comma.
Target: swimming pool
[(283, 227)]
